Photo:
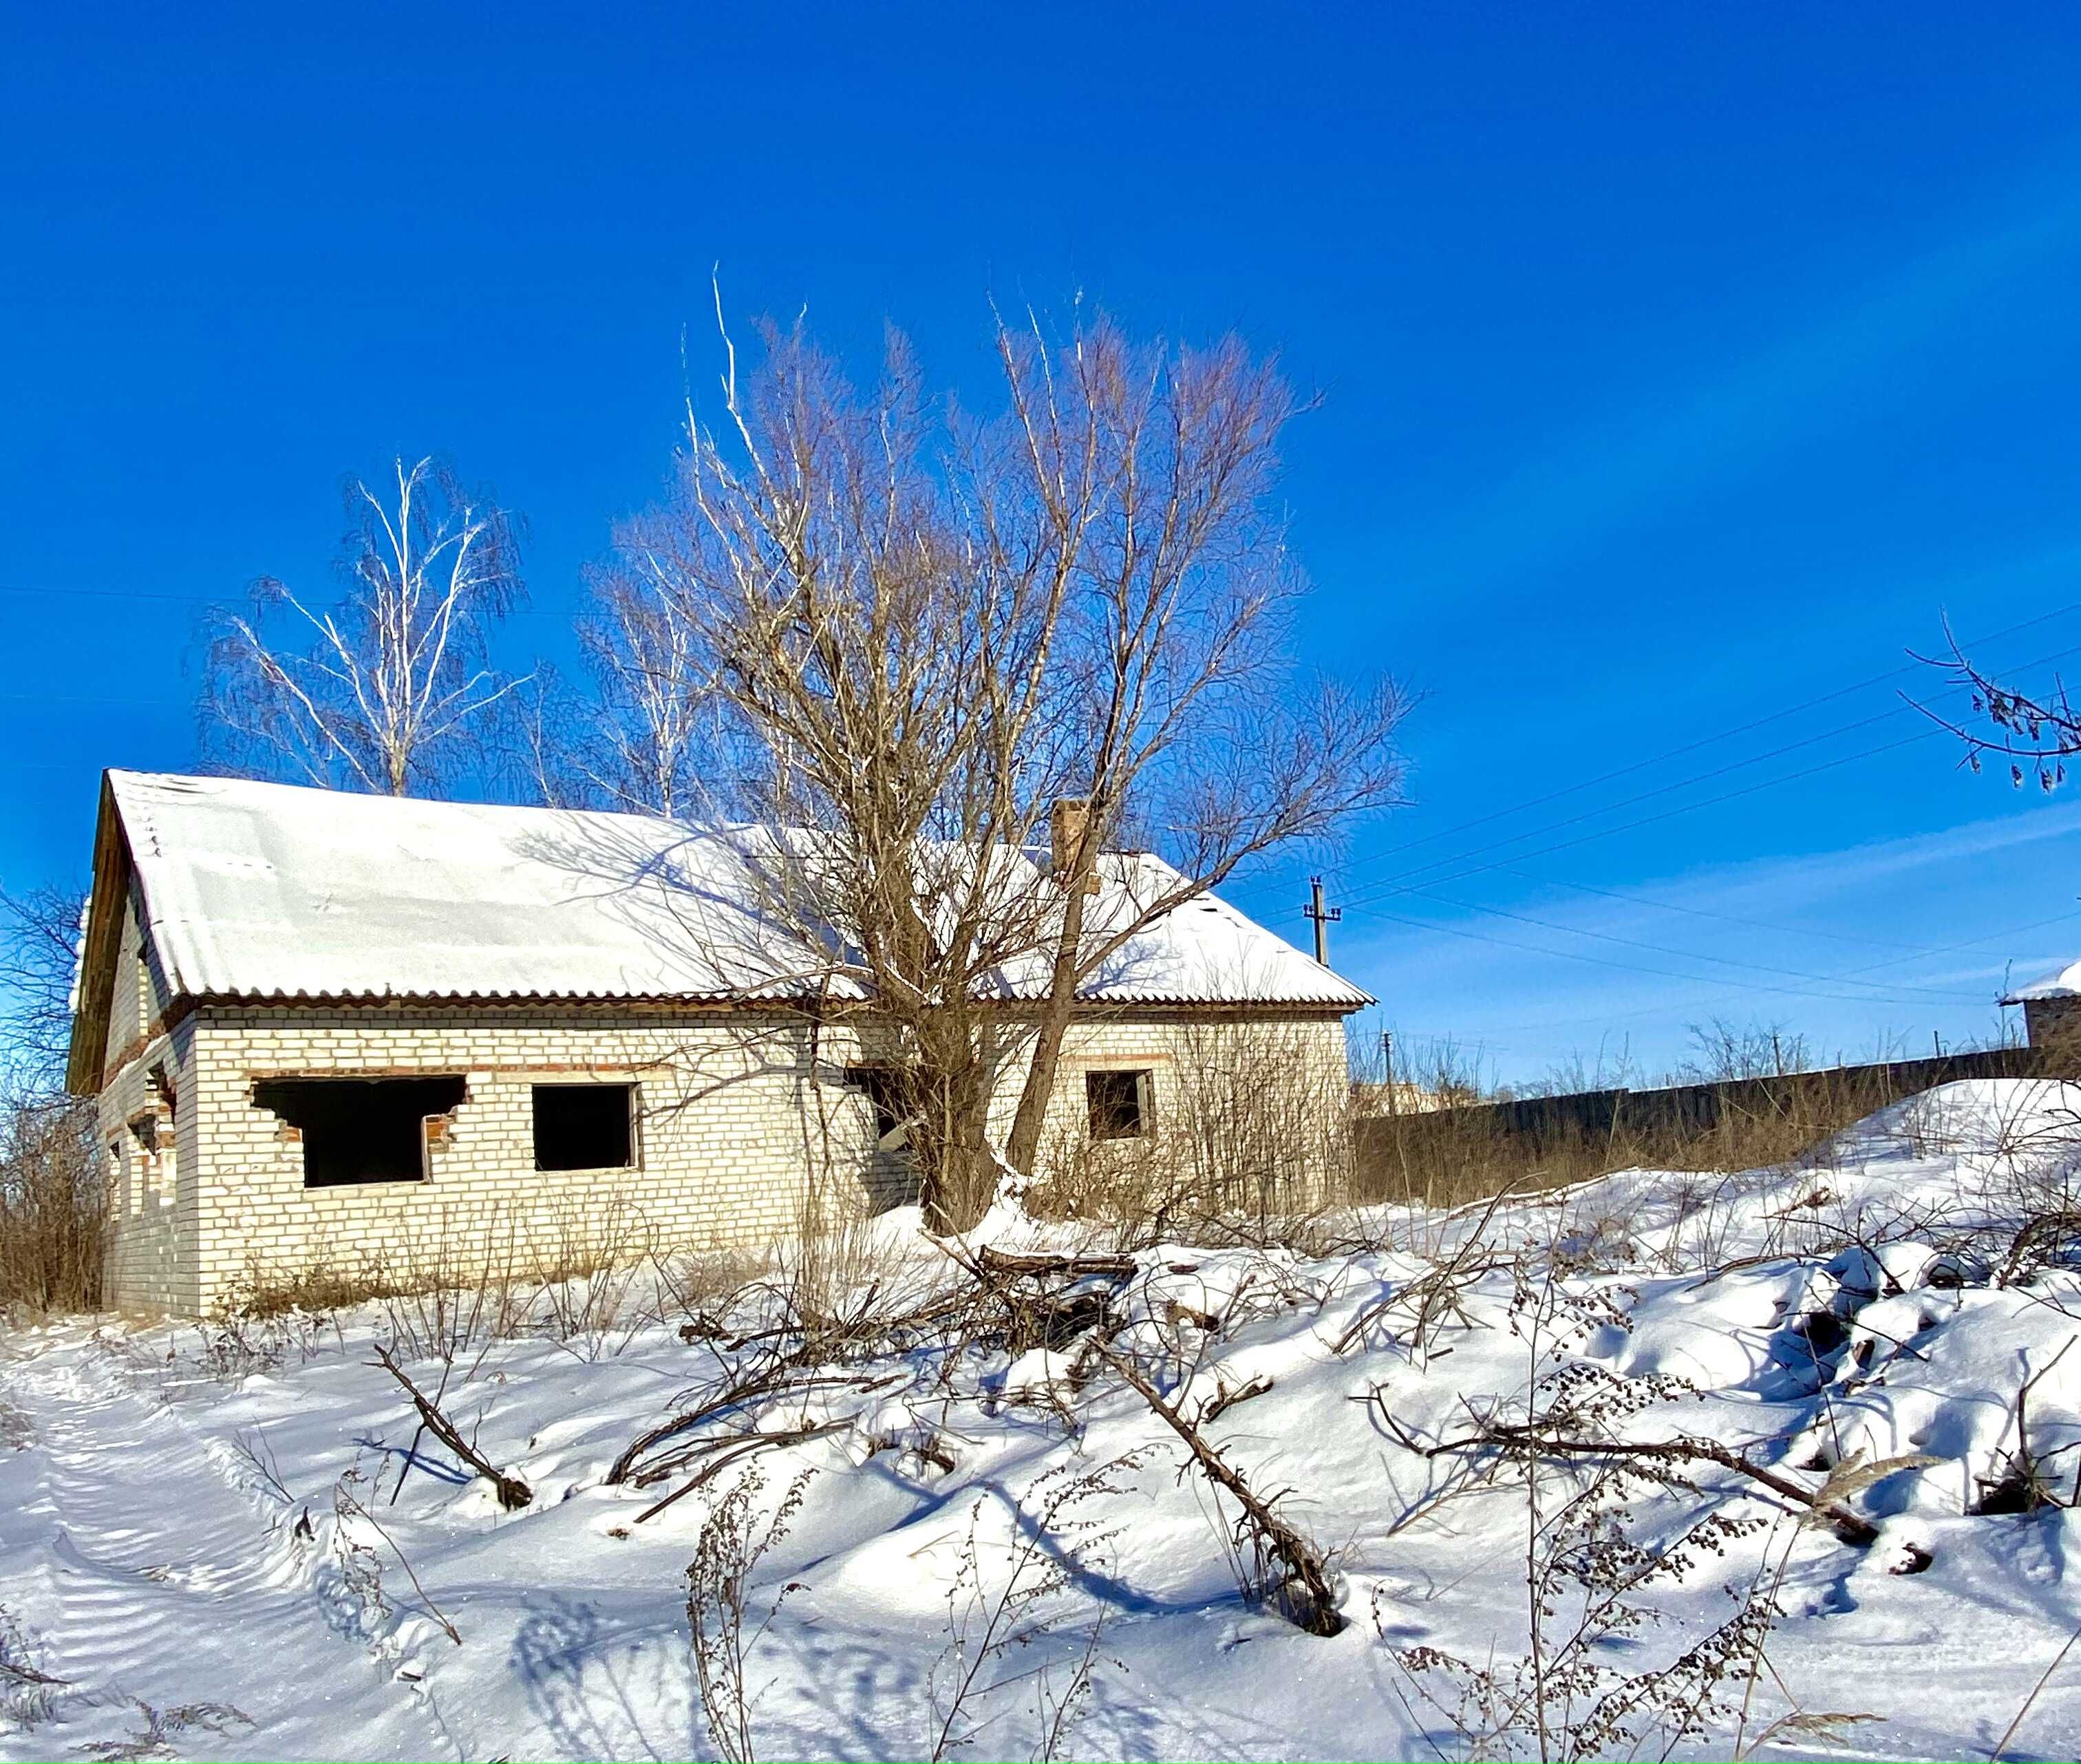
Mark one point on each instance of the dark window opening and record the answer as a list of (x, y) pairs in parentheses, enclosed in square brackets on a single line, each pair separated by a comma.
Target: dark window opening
[(882, 1088), (584, 1126), (361, 1130), (1118, 1102)]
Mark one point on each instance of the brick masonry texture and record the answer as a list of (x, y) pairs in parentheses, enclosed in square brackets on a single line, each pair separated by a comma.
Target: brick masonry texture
[(739, 1132)]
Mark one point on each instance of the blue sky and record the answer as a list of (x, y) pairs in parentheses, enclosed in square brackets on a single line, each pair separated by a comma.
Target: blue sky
[(1682, 367)]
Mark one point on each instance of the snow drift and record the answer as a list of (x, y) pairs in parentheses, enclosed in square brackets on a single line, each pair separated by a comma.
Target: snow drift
[(953, 1523)]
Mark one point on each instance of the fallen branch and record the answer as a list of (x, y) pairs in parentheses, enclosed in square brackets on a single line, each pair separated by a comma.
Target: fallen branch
[(783, 1369), (2038, 1236), (1041, 1307), (741, 1445), (1002, 1265), (1301, 1568), (678, 1460), (769, 1379), (1224, 1399), (1852, 1527), (1437, 1292), (513, 1493)]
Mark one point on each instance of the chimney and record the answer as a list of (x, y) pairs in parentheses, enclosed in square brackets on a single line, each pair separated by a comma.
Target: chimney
[(1067, 819)]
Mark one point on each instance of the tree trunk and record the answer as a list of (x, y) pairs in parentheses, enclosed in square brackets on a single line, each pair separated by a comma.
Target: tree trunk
[(1023, 1146), (957, 1175)]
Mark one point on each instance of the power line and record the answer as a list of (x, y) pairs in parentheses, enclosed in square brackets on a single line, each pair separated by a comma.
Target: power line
[(1687, 955), (1634, 967), (1398, 885), (94, 698), (1652, 1010), (1647, 796), (1948, 949), (1702, 912), (1725, 734), (1395, 886)]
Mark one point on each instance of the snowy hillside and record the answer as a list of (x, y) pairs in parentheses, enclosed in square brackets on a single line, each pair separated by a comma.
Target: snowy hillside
[(986, 1540)]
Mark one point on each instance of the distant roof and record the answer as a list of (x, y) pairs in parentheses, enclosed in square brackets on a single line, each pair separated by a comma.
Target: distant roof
[(275, 891), (2064, 984)]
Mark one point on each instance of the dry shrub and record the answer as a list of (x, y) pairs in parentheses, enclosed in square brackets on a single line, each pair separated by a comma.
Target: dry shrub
[(324, 1285), (588, 1275), (1252, 1135), (587, 1272), (53, 1207), (697, 1285), (719, 1599)]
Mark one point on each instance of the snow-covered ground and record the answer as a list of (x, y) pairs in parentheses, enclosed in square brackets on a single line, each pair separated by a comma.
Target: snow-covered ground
[(204, 1540)]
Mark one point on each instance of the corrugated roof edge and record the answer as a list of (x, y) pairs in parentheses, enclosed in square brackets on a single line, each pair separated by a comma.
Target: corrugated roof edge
[(1343, 1005)]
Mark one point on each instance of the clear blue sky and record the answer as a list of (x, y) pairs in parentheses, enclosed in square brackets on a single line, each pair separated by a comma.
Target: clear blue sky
[(1680, 366)]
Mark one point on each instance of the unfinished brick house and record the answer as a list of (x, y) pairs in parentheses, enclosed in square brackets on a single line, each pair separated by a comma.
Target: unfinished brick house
[(2051, 1008), (340, 1030)]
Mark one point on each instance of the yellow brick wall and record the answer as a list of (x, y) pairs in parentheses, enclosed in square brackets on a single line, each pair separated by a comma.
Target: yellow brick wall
[(733, 1132), (151, 1263)]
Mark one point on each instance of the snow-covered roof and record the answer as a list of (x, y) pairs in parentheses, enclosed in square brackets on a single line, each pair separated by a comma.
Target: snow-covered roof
[(2064, 984), (268, 890)]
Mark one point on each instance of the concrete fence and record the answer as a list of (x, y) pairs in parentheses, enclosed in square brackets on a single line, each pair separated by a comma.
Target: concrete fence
[(1451, 1154)]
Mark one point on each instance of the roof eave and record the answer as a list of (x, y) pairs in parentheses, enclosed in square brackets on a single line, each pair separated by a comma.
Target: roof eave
[(110, 892)]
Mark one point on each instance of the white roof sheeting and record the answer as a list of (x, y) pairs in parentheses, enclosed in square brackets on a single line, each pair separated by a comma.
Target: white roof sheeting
[(2064, 984), (270, 890)]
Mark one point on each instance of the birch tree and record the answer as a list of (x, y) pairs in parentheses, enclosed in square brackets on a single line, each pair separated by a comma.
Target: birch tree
[(914, 632), (644, 732), (390, 688)]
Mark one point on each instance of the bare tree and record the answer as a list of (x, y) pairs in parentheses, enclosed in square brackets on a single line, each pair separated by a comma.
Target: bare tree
[(914, 635), (644, 733), (538, 738), (39, 933), (632, 742), (387, 691), (53, 1192)]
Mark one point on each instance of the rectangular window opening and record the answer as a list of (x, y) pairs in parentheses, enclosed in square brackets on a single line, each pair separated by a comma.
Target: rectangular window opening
[(882, 1087), (585, 1127), (1120, 1103), (361, 1130)]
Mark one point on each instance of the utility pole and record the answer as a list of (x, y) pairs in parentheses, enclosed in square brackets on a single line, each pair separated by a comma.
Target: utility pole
[(1324, 918), (1387, 1063)]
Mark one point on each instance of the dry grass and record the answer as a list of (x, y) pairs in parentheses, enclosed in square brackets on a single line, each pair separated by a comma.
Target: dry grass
[(316, 1287), (1451, 1157), (590, 1276)]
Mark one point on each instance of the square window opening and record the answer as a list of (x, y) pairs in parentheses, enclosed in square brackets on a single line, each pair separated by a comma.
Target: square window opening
[(585, 1127), (1120, 1103), (361, 1130)]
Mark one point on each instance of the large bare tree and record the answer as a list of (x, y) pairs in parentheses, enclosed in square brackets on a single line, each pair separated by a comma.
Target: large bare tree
[(912, 633), (390, 689)]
